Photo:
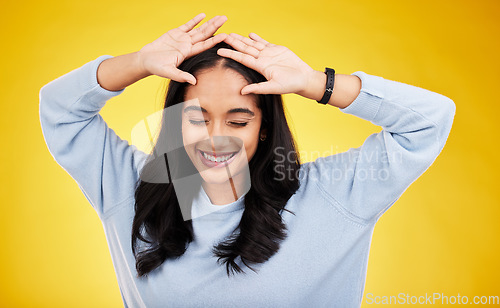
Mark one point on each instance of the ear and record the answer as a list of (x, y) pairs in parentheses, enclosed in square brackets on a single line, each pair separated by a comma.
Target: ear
[(263, 133)]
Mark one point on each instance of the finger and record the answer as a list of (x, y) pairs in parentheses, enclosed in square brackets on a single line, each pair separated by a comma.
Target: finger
[(255, 44), (192, 23), (207, 44), (257, 38), (180, 76), (207, 29), (266, 87), (241, 46), (242, 58), (203, 28)]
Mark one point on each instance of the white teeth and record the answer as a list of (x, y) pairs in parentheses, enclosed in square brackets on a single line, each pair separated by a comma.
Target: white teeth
[(218, 159)]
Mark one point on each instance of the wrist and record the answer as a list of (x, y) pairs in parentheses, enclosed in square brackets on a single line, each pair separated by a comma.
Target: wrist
[(315, 86), (142, 72)]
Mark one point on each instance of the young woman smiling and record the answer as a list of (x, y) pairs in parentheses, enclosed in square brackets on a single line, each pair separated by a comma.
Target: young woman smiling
[(213, 190)]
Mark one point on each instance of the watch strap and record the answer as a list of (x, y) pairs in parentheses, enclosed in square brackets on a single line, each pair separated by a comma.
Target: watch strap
[(330, 81)]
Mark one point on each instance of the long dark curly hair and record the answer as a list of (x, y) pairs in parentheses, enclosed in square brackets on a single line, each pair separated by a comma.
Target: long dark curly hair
[(160, 232)]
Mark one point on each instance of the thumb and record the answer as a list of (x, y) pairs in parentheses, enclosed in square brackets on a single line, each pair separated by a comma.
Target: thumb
[(180, 76), (265, 87)]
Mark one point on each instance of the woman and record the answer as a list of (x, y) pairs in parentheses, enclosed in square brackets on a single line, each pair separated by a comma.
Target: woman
[(223, 185)]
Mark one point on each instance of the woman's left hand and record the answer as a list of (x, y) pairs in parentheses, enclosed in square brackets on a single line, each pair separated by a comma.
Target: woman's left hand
[(285, 72)]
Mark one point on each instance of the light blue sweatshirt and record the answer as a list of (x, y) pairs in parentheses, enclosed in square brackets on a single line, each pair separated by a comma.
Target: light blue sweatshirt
[(323, 260)]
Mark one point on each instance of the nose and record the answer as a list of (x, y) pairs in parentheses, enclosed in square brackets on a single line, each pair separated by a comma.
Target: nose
[(215, 129), (218, 135)]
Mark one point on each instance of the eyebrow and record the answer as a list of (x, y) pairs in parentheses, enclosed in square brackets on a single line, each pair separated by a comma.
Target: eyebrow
[(234, 110)]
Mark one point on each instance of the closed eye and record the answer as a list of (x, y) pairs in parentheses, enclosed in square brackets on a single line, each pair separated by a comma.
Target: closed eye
[(194, 122), (239, 123), (204, 122)]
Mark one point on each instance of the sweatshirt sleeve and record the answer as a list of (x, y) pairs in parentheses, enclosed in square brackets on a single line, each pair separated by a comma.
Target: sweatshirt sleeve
[(365, 181), (104, 166)]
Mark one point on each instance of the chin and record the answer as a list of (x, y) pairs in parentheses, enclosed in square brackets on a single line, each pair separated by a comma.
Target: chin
[(211, 178)]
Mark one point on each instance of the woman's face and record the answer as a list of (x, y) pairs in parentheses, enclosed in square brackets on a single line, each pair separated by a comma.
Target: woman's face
[(218, 122)]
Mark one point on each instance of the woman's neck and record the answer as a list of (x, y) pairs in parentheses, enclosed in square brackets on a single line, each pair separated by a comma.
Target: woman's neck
[(226, 192)]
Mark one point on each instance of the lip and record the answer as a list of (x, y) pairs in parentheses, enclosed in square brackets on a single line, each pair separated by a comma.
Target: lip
[(212, 164), (218, 153)]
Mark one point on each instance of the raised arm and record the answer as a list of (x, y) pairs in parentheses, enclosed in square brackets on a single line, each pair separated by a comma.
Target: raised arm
[(105, 166), (365, 181), (416, 123)]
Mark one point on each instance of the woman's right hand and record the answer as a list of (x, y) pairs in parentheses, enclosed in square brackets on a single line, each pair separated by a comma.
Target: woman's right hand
[(165, 54)]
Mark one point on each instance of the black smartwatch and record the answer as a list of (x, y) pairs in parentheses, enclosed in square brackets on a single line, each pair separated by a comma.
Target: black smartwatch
[(330, 81)]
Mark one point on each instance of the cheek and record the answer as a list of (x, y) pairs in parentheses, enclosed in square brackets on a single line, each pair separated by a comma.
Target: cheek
[(189, 139), (192, 134), (251, 141)]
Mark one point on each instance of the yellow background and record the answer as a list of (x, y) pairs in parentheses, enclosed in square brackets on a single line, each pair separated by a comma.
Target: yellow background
[(441, 236)]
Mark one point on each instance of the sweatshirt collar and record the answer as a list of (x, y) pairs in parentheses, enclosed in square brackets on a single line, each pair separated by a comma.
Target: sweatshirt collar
[(203, 206)]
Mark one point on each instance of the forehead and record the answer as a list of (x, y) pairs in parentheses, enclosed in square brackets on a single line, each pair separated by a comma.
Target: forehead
[(219, 89)]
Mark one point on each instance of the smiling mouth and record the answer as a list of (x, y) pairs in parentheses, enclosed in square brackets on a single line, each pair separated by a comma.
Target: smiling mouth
[(218, 157)]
